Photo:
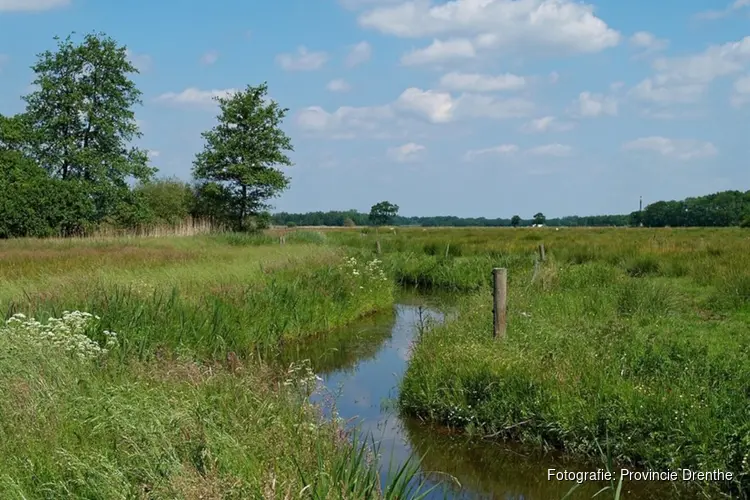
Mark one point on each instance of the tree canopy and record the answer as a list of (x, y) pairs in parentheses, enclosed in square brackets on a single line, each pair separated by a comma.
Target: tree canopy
[(242, 150), (383, 213)]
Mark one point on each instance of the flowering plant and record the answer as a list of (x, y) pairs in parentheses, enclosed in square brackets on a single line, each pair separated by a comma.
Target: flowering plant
[(67, 333)]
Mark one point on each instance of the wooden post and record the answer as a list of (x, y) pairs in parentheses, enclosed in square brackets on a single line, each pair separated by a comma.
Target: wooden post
[(447, 250), (542, 255), (500, 292), (379, 250)]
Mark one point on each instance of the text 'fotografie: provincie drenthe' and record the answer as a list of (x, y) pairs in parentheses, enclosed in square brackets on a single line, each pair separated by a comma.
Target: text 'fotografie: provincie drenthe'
[(647, 475)]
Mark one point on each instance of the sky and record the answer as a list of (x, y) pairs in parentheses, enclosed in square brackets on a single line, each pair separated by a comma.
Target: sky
[(473, 108)]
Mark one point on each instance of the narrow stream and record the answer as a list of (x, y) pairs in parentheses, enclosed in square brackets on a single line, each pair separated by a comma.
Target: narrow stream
[(362, 366)]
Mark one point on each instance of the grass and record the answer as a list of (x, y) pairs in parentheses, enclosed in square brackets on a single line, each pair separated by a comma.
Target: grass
[(633, 337), (637, 335), (181, 406)]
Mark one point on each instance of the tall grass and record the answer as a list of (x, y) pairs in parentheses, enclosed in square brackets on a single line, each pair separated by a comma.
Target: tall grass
[(172, 428), (182, 407), (637, 336)]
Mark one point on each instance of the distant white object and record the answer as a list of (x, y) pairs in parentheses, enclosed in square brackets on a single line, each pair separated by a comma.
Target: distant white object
[(538, 225), (557, 229)]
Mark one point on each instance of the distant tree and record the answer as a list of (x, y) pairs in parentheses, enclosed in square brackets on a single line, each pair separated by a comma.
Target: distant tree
[(539, 218), (242, 150), (515, 221), (349, 222), (382, 213), (81, 119)]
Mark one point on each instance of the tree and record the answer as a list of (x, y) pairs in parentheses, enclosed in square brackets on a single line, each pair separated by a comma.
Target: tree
[(382, 213), (81, 119), (539, 218), (241, 151), (515, 221)]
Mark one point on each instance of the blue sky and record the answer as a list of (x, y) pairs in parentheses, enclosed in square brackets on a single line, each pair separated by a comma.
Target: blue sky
[(469, 107)]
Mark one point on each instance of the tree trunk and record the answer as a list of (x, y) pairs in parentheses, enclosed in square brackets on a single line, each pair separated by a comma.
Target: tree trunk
[(242, 207)]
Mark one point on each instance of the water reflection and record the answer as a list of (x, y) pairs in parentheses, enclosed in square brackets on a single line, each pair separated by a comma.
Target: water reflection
[(361, 367)]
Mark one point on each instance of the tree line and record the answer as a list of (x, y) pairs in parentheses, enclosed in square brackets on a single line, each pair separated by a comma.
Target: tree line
[(724, 209), (68, 165)]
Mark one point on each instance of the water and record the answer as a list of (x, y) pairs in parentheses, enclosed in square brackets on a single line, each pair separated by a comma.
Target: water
[(361, 367)]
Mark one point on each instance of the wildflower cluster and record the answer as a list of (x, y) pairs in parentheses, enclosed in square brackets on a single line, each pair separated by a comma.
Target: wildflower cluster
[(67, 333), (370, 273), (302, 376)]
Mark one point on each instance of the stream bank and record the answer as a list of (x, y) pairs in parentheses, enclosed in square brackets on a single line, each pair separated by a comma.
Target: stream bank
[(361, 367)]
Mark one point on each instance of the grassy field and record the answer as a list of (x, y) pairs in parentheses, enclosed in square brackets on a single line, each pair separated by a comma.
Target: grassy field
[(633, 339), (147, 380)]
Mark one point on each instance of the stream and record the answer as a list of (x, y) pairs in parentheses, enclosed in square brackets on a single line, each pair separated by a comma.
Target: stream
[(361, 367)]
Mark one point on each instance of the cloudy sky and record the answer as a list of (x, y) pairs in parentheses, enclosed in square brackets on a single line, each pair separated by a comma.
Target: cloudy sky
[(468, 107)]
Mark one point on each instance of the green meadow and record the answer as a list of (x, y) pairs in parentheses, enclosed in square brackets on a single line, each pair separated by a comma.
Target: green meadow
[(633, 341)]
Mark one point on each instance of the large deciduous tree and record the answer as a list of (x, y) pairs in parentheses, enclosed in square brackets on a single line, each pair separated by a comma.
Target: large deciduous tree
[(382, 213), (242, 151), (81, 119)]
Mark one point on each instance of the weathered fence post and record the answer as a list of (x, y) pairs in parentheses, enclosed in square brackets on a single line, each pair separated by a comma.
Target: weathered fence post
[(500, 292), (379, 250), (447, 250), (542, 254)]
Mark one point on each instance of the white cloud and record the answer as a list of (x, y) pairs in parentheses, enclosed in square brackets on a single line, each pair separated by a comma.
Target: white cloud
[(475, 82), (660, 113), (593, 105), (741, 91), (437, 107), (210, 57), (546, 124), (439, 51), (434, 106), (194, 97), (31, 5), (648, 42), (718, 14), (558, 150), (685, 79), (503, 149), (152, 153), (680, 149), (551, 150), (142, 62), (346, 122), (442, 107), (302, 60), (358, 54), (338, 85), (546, 25), (406, 153), (648, 90)]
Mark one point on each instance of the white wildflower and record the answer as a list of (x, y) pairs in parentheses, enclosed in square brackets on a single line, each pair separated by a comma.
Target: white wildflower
[(67, 333)]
